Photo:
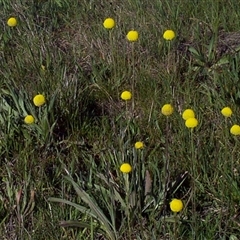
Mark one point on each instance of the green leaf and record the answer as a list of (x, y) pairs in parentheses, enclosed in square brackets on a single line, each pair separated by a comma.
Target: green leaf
[(222, 61), (93, 209), (116, 194), (82, 209), (79, 224), (211, 49), (196, 54), (93, 206)]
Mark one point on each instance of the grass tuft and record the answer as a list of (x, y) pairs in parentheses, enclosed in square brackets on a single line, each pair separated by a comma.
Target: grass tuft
[(61, 171)]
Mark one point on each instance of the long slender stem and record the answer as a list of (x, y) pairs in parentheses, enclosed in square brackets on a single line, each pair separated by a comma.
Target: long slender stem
[(168, 55), (166, 173), (133, 76), (194, 176), (113, 60), (175, 227), (166, 164), (128, 213)]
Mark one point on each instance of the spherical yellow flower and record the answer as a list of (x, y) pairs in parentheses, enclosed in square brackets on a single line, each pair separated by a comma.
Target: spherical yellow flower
[(109, 23), (188, 113), (39, 100), (176, 205), (167, 109), (125, 168), (235, 130), (226, 112), (126, 95), (29, 119), (12, 22), (132, 36), (139, 145), (169, 35), (191, 122)]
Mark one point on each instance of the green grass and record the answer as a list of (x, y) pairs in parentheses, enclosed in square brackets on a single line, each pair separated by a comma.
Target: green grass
[(60, 176)]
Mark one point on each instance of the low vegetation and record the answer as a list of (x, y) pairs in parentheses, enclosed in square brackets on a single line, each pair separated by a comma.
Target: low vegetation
[(95, 139)]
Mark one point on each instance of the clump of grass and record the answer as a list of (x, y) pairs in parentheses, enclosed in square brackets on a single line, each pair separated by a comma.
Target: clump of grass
[(72, 149)]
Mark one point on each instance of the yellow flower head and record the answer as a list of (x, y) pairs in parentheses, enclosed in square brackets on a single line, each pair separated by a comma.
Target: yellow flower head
[(226, 112), (125, 168), (29, 119), (39, 100), (109, 23), (191, 122), (235, 130), (126, 95), (132, 36), (139, 145), (188, 113), (169, 35), (12, 22), (167, 109), (176, 205)]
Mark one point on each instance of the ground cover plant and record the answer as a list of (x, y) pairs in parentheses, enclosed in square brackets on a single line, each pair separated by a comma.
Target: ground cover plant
[(119, 119)]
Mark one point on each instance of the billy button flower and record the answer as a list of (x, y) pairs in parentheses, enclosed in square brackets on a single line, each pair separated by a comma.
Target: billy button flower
[(235, 130), (167, 109), (109, 23), (132, 36), (139, 145), (176, 205), (169, 35), (191, 122), (226, 112), (126, 95), (29, 119), (12, 22), (188, 113), (39, 100), (125, 168)]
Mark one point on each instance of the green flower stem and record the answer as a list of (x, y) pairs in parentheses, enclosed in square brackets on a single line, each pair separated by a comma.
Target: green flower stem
[(194, 176), (233, 155), (133, 76), (166, 173), (113, 54), (126, 109), (128, 119), (166, 163), (226, 138), (168, 55), (127, 199), (175, 226)]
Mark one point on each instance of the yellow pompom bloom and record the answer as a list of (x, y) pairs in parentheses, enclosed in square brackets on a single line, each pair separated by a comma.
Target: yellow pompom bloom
[(167, 109), (226, 112), (132, 36), (109, 23), (12, 22), (39, 100), (139, 145), (188, 113), (126, 95), (191, 123), (235, 130), (176, 205), (29, 119), (125, 168), (169, 35)]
